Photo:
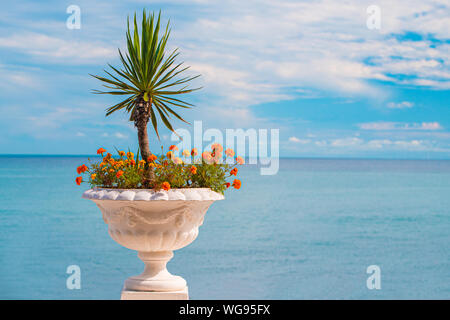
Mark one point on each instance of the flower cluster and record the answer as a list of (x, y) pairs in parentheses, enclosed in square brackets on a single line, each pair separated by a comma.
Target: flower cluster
[(211, 170)]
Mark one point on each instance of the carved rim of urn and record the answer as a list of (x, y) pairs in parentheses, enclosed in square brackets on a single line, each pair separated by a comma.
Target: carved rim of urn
[(183, 194)]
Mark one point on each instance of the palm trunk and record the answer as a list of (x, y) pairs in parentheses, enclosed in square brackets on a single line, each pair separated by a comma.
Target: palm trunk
[(141, 118)]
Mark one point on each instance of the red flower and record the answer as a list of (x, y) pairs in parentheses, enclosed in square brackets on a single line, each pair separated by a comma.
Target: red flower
[(193, 170), (234, 172), (100, 151), (151, 158), (227, 185), (237, 183), (173, 148), (82, 169), (166, 186), (78, 180), (119, 173), (240, 160)]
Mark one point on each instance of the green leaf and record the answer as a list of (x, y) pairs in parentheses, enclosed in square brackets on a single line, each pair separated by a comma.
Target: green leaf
[(148, 72)]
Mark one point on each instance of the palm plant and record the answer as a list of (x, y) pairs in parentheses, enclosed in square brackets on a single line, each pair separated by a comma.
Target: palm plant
[(149, 78)]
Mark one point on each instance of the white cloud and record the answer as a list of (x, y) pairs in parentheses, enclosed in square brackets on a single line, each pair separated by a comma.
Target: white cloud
[(59, 49), (386, 125), (120, 135), (346, 142), (347, 145), (300, 141), (247, 56), (400, 105), (323, 45)]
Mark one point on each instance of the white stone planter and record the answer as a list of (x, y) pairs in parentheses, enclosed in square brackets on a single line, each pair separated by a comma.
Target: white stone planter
[(154, 224)]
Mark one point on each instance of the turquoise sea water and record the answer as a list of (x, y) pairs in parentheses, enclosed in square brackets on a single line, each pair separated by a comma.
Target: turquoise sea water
[(308, 232)]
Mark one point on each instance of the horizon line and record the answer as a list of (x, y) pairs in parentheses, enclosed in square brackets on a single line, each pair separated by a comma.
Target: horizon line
[(284, 157)]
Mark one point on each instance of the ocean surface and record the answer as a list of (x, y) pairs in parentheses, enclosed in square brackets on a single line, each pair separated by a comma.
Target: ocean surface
[(308, 232)]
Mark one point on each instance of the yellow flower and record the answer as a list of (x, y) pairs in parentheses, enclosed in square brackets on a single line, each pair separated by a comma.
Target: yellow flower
[(93, 176), (142, 162)]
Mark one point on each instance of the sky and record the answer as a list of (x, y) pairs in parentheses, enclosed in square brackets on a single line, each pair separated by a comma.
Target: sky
[(315, 70)]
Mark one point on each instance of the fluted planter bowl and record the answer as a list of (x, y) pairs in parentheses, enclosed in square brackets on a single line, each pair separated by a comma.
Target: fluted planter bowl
[(153, 223)]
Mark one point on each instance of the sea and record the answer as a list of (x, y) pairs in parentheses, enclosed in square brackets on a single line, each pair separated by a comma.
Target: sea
[(318, 229)]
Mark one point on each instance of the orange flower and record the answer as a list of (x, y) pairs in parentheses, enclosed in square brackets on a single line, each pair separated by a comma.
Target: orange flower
[(227, 185), (229, 153), (93, 176), (173, 148), (169, 154), (78, 180), (217, 157), (152, 158), (82, 169), (130, 155), (207, 156), (194, 152), (121, 153), (240, 160), (119, 173), (166, 186), (234, 172), (132, 162), (100, 151), (185, 153), (142, 162), (193, 170), (217, 147), (237, 183)]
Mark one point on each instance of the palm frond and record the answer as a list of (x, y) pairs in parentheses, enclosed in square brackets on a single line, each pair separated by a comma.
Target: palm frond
[(147, 73)]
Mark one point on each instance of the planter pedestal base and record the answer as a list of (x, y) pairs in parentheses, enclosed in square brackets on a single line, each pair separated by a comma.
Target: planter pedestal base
[(155, 277), (153, 295)]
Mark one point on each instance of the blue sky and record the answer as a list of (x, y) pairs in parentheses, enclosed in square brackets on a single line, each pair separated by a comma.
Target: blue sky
[(313, 70)]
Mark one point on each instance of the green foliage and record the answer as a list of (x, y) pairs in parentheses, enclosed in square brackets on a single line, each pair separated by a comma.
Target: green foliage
[(126, 171), (148, 74)]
